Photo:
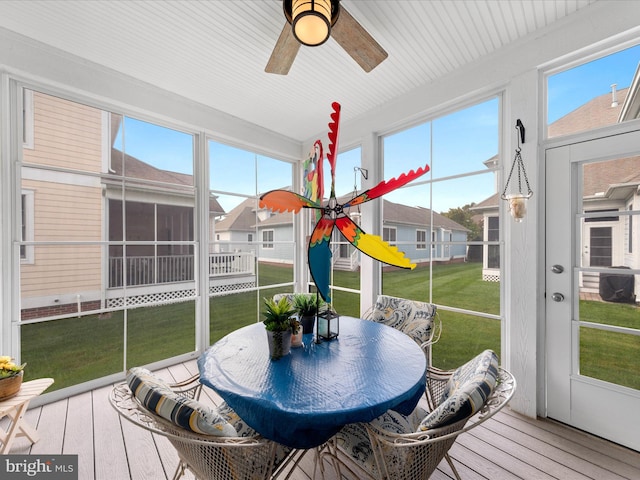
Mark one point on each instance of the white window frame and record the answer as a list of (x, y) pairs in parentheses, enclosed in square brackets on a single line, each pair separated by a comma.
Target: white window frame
[(27, 118), (629, 228), (266, 243), (386, 235), (421, 243), (27, 215)]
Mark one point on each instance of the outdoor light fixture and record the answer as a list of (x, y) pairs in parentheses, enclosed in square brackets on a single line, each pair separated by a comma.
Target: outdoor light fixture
[(518, 200), (328, 325), (311, 20)]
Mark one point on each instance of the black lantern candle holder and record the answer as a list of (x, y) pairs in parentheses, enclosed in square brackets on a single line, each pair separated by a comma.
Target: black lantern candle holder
[(518, 200), (328, 325)]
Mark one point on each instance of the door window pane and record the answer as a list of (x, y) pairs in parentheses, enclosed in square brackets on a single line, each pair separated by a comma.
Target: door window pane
[(609, 333)]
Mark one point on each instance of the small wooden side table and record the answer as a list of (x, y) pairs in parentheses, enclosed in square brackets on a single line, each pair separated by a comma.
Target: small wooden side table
[(15, 408)]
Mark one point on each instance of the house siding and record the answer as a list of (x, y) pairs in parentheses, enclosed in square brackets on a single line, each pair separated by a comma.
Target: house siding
[(406, 242), (67, 206), (282, 251), (66, 134)]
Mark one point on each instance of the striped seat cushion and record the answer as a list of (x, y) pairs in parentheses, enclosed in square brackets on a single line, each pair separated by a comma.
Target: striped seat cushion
[(190, 414), (466, 391)]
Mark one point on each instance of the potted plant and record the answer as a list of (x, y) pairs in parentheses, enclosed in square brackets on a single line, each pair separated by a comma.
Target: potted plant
[(307, 306), (10, 377), (277, 322)]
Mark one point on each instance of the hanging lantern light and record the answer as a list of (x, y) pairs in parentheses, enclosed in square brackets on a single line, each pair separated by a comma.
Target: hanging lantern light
[(518, 200), (311, 20)]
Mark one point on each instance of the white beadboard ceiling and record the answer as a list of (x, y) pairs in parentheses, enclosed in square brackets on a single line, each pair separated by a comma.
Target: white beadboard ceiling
[(214, 51)]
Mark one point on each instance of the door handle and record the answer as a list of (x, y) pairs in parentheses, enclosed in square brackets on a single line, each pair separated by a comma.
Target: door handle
[(557, 297), (557, 269)]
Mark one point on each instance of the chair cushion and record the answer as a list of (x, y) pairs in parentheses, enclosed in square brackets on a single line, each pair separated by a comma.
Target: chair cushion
[(289, 296), (466, 391), (190, 414), (353, 439), (409, 316)]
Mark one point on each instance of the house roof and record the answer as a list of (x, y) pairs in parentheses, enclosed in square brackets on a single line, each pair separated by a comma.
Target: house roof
[(599, 177), (397, 213), (489, 204), (241, 218), (598, 112), (136, 168), (285, 218)]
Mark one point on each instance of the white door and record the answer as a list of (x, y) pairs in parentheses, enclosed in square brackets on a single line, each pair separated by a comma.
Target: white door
[(593, 346)]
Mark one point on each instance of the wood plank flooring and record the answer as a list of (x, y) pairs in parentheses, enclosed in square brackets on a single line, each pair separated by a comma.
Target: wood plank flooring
[(508, 446)]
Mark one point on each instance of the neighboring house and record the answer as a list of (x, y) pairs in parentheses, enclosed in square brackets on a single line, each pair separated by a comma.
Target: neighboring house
[(247, 228), (608, 187), (159, 209), (236, 229), (412, 229)]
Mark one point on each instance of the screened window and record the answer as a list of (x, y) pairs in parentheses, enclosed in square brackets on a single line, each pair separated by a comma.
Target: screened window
[(253, 254), (108, 211), (462, 175)]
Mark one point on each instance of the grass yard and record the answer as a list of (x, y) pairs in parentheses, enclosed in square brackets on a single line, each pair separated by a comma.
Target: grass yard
[(76, 350)]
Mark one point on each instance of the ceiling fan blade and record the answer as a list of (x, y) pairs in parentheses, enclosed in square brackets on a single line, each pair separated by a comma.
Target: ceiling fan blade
[(284, 53), (357, 42)]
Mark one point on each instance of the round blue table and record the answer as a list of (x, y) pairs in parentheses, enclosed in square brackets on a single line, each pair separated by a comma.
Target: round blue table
[(306, 397)]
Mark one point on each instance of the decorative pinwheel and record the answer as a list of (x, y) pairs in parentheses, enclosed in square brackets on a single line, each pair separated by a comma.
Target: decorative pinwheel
[(332, 214)]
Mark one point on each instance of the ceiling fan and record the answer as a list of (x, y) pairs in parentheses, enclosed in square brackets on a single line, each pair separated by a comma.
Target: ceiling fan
[(311, 23)]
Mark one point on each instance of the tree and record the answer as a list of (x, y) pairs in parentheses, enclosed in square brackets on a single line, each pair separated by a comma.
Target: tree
[(464, 217)]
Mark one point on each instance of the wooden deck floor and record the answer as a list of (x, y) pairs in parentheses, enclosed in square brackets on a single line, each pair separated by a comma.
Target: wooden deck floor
[(508, 446)]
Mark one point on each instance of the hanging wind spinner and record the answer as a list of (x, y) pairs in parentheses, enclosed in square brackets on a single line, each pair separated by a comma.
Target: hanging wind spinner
[(332, 214)]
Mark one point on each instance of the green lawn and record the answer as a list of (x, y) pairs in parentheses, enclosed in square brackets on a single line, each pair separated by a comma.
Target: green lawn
[(76, 350)]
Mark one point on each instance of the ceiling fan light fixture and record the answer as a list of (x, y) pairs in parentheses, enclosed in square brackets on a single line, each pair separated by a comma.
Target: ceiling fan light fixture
[(311, 20)]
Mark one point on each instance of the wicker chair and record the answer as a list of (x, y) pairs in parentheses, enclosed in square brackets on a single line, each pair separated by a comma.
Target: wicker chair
[(247, 456), (395, 447), (419, 320)]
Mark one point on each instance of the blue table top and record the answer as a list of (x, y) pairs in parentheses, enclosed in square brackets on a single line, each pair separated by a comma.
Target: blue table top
[(306, 397)]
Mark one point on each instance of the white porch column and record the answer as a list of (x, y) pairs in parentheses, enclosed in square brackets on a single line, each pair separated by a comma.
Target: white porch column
[(522, 353), (371, 222)]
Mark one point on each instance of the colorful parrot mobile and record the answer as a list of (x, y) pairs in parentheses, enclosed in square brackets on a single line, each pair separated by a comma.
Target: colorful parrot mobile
[(332, 214)]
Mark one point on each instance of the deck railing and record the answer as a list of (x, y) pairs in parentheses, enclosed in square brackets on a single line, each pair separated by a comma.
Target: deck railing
[(151, 270)]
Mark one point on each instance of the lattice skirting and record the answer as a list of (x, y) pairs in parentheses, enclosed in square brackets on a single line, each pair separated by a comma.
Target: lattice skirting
[(176, 296), (151, 298), (490, 278), (218, 290)]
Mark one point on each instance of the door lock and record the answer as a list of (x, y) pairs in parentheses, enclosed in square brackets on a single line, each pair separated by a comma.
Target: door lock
[(557, 297)]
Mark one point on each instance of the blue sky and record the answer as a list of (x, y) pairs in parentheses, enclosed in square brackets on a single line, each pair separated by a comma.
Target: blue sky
[(451, 145)]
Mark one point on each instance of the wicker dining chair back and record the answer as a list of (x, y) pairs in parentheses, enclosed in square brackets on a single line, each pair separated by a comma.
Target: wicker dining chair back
[(208, 457), (398, 447), (419, 320)]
